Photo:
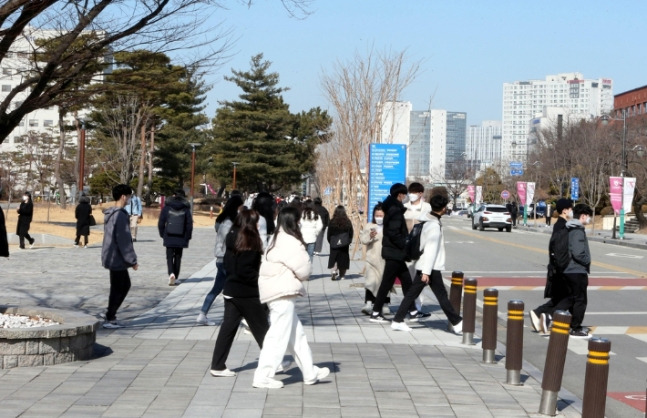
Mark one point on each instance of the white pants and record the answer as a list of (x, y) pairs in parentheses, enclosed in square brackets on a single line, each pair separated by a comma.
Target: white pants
[(285, 333)]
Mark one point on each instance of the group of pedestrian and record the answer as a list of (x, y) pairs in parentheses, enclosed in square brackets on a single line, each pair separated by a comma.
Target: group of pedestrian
[(388, 259), (569, 264)]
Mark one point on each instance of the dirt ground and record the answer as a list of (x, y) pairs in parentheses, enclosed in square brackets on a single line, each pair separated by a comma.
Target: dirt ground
[(51, 219)]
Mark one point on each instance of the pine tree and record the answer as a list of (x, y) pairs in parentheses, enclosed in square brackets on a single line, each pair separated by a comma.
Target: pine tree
[(272, 148)]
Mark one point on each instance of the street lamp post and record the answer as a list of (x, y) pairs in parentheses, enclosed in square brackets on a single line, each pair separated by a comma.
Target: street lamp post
[(193, 145), (605, 121), (81, 157), (235, 163)]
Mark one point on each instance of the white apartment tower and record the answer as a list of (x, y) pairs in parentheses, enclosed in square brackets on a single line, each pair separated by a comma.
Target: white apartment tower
[(434, 138), (578, 98), (483, 147)]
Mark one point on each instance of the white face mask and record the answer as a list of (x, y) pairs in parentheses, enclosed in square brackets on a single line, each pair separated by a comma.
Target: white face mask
[(586, 220), (25, 198), (379, 220), (413, 197), (569, 214)]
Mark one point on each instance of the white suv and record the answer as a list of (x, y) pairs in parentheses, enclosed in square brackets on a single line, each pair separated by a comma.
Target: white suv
[(492, 216)]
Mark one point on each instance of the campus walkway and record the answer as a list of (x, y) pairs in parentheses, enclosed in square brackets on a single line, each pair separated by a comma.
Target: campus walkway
[(159, 365)]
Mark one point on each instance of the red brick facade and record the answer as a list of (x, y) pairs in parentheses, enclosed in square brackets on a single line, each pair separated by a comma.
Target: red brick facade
[(633, 101)]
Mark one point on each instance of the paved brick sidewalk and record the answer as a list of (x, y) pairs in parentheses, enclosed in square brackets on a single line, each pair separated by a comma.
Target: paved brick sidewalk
[(159, 365)]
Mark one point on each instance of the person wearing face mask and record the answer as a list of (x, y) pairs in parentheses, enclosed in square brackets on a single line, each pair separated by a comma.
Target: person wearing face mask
[(25, 214), (371, 236), (117, 253), (558, 258), (579, 267), (417, 210)]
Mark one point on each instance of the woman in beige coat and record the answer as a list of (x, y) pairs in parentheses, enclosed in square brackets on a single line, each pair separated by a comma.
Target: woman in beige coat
[(371, 236)]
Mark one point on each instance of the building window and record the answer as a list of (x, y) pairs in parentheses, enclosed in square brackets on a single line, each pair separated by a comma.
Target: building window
[(6, 71), (48, 123), (6, 88), (17, 139), (33, 123)]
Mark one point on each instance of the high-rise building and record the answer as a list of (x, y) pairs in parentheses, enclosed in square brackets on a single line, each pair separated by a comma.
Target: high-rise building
[(523, 101), (483, 147), (433, 137)]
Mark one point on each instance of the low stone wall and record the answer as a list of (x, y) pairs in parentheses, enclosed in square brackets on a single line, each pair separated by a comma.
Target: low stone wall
[(72, 340)]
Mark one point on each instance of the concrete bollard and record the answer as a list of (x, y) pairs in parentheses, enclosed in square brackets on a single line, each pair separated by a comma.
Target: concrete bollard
[(555, 359), (490, 311), (456, 290), (596, 378), (514, 342), (469, 311)]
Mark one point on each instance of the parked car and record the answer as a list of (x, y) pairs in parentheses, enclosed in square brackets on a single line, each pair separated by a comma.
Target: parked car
[(492, 216)]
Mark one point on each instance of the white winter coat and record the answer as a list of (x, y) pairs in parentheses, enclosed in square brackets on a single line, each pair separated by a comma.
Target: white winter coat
[(374, 260), (432, 243), (285, 266), (310, 228)]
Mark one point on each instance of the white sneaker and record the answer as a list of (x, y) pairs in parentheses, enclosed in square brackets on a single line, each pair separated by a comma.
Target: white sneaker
[(268, 383), (171, 280), (112, 325), (534, 321), (400, 326), (283, 367), (203, 320), (322, 372), (222, 373), (368, 308), (458, 328)]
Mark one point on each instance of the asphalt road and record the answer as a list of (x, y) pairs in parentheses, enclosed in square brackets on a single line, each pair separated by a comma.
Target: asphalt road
[(514, 263)]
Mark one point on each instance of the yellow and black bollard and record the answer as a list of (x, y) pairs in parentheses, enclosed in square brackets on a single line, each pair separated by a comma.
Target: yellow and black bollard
[(456, 290), (469, 311), (596, 378), (514, 342), (490, 311), (555, 359)]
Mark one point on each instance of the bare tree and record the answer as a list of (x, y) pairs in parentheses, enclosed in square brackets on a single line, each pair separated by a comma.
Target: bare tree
[(356, 90), (156, 25)]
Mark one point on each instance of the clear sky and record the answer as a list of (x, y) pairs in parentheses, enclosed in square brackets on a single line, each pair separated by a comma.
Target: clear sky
[(468, 48)]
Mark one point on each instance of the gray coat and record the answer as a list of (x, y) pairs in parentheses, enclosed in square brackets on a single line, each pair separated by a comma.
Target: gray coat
[(117, 252), (578, 246)]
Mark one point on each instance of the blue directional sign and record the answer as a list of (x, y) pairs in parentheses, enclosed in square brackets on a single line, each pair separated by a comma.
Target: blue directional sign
[(516, 168), (387, 165), (575, 188)]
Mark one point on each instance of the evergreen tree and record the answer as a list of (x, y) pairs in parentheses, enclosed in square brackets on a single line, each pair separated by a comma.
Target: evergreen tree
[(272, 148)]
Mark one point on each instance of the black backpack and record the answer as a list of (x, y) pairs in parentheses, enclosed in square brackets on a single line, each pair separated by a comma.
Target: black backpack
[(412, 246), (175, 222)]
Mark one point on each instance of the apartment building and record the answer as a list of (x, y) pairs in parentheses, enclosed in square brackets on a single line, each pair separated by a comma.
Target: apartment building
[(523, 101)]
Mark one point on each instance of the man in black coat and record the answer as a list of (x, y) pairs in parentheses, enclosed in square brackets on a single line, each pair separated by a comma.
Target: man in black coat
[(393, 248), (176, 237), (25, 214), (556, 287), (4, 242)]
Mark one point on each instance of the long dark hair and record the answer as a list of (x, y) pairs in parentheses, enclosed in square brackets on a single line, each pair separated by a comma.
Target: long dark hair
[(340, 219), (231, 209), (248, 238), (265, 205), (288, 222), (309, 211)]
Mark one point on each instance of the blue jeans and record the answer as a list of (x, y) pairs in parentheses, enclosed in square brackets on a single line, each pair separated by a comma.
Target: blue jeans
[(311, 250), (218, 284)]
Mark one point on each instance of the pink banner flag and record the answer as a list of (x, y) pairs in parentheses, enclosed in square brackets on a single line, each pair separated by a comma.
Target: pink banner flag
[(470, 192), (521, 191), (615, 193)]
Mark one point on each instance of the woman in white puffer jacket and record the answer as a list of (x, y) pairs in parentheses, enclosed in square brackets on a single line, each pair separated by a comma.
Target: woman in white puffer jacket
[(284, 267), (311, 225)]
